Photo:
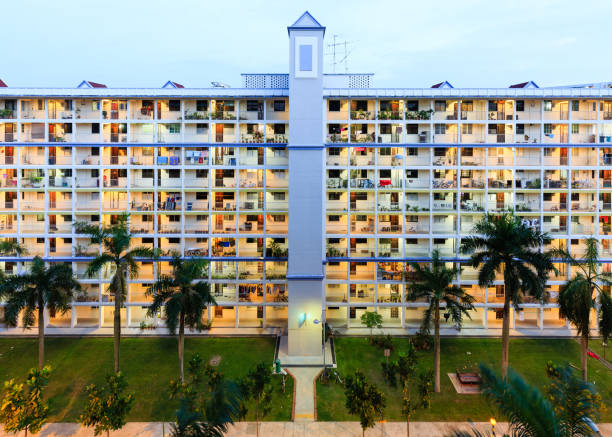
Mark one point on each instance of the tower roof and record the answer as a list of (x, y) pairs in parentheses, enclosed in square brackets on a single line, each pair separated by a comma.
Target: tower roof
[(306, 22)]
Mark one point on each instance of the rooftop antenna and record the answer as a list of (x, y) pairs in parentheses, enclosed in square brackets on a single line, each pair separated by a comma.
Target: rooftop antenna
[(344, 45)]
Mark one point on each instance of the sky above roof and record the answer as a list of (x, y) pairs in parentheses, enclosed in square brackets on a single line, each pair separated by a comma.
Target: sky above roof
[(145, 43)]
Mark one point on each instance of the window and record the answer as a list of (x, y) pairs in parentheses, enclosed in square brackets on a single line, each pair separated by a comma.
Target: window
[(575, 128), (252, 105), (201, 105), (333, 129), (278, 196), (412, 174), (440, 129), (520, 105), (575, 105), (305, 53), (203, 174), (279, 106), (466, 129), (547, 129), (547, 105), (95, 128), (95, 173), (440, 105), (174, 218), (333, 218), (147, 173), (360, 105), (201, 195), (412, 105), (412, 151), (279, 129), (334, 151), (334, 196), (467, 151), (385, 129), (520, 129), (334, 105), (174, 174), (412, 129), (202, 128), (492, 105), (174, 128), (278, 218), (174, 105), (548, 197), (440, 151), (467, 105)]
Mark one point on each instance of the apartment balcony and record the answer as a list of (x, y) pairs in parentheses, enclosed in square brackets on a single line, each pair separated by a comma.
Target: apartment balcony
[(389, 183), (474, 115), (191, 182), (196, 205), (280, 228), (196, 228), (277, 205), (7, 227), (582, 229), (252, 205), (169, 228), (389, 115), (60, 138), (32, 228), (33, 182), (584, 184), (139, 227), (556, 138), (251, 228), (363, 115), (114, 138), (60, 182), (60, 228), (223, 115), (444, 228), (362, 160), (31, 113), (363, 251), (500, 138), (553, 184), (140, 205), (444, 206), (60, 205), (584, 206), (83, 205), (8, 182), (389, 228), (387, 251), (276, 182), (556, 115), (555, 161), (147, 138), (472, 206), (417, 250), (196, 115), (164, 137), (389, 206), (417, 227), (444, 115), (138, 111), (115, 183), (444, 138), (63, 250), (472, 184), (225, 183), (336, 138), (445, 160), (225, 160), (114, 160), (554, 206), (7, 137), (225, 205), (444, 184)]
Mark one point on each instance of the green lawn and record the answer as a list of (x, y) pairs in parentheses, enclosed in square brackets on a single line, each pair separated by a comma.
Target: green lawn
[(148, 363), (526, 356)]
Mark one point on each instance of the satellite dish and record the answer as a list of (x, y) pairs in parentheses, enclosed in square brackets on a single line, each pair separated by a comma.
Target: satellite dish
[(220, 85)]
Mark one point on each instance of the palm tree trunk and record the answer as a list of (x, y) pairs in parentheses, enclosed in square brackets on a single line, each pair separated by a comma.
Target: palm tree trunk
[(181, 343), (117, 318), (584, 346), (437, 348), (41, 334), (506, 334)]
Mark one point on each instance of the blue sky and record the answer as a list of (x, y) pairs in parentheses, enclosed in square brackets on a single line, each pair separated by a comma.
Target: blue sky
[(143, 43)]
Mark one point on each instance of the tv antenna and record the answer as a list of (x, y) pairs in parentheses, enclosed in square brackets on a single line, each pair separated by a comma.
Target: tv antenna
[(339, 51)]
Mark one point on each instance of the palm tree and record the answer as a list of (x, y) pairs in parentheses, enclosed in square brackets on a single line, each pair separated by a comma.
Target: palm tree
[(9, 247), (41, 287), (116, 252), (183, 298), (569, 406), (504, 244), (577, 300), (435, 283)]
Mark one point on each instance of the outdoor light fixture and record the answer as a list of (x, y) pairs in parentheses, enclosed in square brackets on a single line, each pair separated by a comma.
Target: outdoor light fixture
[(493, 423), (302, 319)]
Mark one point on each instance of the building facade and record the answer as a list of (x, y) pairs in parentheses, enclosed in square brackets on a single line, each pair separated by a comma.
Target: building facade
[(309, 193)]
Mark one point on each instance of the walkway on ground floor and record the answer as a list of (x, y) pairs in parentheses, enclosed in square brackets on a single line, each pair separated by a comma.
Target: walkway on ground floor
[(285, 429)]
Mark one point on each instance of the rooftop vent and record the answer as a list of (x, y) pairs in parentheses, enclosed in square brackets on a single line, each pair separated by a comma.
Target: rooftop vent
[(258, 81), (90, 84)]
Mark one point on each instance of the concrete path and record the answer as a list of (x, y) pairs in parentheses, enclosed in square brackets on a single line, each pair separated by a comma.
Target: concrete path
[(286, 429), (304, 399)]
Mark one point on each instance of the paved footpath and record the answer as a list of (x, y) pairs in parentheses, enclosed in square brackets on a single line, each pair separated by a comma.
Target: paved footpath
[(285, 429), (304, 377)]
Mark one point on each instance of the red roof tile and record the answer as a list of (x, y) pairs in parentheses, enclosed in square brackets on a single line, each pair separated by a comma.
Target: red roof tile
[(2, 84)]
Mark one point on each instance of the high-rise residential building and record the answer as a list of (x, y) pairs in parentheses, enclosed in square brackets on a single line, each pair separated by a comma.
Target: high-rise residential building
[(308, 192)]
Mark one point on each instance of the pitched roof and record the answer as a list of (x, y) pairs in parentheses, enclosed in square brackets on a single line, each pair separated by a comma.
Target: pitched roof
[(528, 84), (2, 84), (306, 21), (444, 84), (171, 84), (90, 84)]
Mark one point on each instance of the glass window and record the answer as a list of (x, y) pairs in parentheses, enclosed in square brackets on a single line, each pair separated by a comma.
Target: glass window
[(520, 105), (201, 105), (547, 105), (279, 106), (174, 105), (334, 105)]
